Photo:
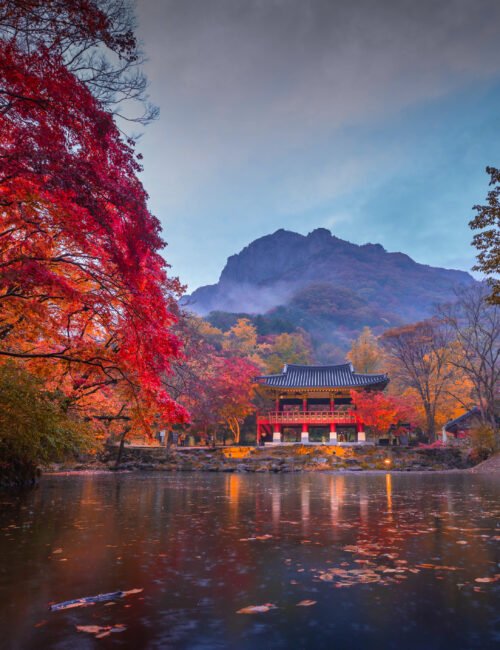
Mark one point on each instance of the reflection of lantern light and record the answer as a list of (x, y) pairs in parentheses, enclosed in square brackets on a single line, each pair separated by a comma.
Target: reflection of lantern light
[(388, 490), (387, 461)]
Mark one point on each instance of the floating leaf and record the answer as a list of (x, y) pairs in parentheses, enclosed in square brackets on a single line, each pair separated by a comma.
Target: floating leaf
[(306, 603), (132, 591), (256, 609), (101, 631), (492, 579)]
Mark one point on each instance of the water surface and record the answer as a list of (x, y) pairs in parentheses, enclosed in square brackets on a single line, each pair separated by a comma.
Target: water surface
[(389, 561)]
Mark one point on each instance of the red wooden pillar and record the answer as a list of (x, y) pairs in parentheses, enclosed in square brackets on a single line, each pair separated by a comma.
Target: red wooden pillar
[(333, 431), (277, 404), (259, 433), (333, 425), (304, 436)]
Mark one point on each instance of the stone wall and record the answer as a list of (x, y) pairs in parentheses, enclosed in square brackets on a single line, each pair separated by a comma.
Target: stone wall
[(280, 459)]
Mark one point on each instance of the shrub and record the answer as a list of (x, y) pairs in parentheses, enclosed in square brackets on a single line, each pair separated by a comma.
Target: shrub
[(483, 437), (36, 426)]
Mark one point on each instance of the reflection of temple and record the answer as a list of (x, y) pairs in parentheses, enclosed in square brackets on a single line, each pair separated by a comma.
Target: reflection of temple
[(313, 404)]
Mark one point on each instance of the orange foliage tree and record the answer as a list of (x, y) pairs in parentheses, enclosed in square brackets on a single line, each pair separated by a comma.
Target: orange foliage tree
[(418, 356), (85, 299)]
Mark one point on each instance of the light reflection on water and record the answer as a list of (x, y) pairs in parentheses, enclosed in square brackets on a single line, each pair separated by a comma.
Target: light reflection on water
[(354, 544)]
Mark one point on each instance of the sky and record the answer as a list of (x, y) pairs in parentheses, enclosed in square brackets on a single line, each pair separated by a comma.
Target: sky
[(374, 119)]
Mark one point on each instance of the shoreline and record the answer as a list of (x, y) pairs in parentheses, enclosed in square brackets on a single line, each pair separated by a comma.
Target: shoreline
[(252, 460), (369, 472)]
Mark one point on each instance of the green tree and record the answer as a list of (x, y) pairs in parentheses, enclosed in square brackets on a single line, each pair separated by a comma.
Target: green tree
[(487, 240), (35, 426)]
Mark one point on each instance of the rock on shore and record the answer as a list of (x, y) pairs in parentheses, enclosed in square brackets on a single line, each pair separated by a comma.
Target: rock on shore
[(295, 458)]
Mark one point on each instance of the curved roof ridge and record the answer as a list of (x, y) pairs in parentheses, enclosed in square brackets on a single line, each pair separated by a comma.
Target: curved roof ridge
[(316, 366)]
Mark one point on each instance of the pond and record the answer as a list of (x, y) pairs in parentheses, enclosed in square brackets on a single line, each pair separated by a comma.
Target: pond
[(340, 561)]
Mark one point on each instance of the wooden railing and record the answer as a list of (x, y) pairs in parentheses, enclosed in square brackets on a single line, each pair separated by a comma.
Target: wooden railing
[(307, 417)]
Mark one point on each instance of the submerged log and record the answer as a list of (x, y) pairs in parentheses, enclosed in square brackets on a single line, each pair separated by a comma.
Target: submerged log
[(92, 600)]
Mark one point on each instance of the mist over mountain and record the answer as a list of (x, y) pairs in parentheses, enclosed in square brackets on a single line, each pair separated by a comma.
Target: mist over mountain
[(324, 285)]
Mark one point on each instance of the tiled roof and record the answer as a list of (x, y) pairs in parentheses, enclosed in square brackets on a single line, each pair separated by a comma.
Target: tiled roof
[(341, 376), (474, 413)]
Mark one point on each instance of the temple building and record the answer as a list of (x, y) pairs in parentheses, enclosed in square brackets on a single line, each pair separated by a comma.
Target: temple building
[(313, 404)]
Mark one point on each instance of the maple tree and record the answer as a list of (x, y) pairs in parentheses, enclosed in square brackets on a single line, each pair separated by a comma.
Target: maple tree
[(95, 41), (225, 395), (212, 380), (380, 411), (85, 299)]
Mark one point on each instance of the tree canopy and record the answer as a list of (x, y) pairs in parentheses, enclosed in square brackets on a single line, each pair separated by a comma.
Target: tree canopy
[(487, 240), (86, 302)]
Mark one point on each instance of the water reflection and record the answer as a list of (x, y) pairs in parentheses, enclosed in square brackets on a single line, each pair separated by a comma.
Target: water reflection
[(376, 553), (388, 491)]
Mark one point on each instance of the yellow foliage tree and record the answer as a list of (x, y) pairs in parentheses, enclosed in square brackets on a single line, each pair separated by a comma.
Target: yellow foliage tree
[(365, 353), (288, 348)]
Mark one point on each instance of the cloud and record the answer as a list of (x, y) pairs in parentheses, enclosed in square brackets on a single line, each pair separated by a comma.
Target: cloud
[(273, 107)]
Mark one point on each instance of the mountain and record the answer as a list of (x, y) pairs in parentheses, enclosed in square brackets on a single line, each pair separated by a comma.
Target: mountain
[(325, 285)]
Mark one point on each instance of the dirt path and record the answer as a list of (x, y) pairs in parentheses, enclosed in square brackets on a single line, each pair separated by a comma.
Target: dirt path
[(490, 466)]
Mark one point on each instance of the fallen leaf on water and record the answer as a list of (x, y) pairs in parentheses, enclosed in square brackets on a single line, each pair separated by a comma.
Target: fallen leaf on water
[(493, 579), (306, 603), (132, 591), (101, 631), (256, 609), (91, 629), (253, 539)]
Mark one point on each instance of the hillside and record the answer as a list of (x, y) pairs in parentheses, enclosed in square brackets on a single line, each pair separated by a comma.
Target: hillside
[(325, 285)]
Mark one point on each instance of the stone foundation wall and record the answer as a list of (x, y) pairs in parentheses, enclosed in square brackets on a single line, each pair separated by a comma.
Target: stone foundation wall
[(280, 459)]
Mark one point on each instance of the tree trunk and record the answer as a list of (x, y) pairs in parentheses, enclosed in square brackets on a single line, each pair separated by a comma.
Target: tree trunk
[(122, 445), (431, 424), (168, 444)]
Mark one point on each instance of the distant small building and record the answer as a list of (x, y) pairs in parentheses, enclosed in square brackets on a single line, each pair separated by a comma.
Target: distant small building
[(460, 427), (313, 404)]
